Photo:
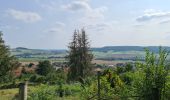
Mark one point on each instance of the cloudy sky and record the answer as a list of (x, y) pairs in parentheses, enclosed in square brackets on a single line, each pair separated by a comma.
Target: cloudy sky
[(49, 24)]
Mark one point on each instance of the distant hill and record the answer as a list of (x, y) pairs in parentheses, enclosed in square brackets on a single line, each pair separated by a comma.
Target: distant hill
[(103, 53), (102, 49), (129, 48), (21, 52), (21, 48)]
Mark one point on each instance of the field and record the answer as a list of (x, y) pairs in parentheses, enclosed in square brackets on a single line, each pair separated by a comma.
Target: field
[(111, 63)]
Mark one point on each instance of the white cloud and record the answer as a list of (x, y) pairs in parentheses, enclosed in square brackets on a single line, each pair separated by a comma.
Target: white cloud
[(95, 19), (28, 17), (151, 14), (93, 16), (76, 6), (147, 11), (50, 5), (8, 27), (165, 21), (96, 13), (89, 17), (82, 0), (138, 25), (101, 26), (54, 30), (57, 28), (60, 24)]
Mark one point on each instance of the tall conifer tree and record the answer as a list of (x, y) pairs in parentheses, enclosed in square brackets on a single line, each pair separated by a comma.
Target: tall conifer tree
[(79, 57), (7, 62)]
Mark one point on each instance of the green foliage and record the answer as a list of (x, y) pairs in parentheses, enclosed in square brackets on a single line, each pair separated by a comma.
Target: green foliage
[(110, 88), (119, 69), (30, 65), (154, 78), (38, 79), (25, 77), (127, 78), (147, 80), (56, 77), (42, 92), (44, 68), (128, 67), (9, 86), (48, 92)]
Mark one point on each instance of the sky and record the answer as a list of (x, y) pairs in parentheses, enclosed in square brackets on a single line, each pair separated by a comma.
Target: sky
[(49, 24)]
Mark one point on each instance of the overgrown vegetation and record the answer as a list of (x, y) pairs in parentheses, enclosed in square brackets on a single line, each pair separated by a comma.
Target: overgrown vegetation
[(147, 80)]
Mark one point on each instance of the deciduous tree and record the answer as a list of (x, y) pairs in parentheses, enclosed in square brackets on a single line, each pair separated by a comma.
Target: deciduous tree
[(44, 68)]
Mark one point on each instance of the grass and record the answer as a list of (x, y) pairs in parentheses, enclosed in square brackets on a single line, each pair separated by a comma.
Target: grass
[(8, 94)]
